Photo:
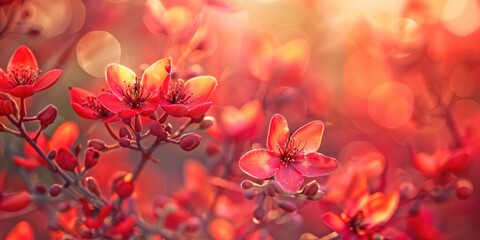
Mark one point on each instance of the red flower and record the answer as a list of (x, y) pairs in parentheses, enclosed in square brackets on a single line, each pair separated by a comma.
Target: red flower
[(22, 76), (86, 105), (363, 216), (289, 158), (132, 95), (188, 99)]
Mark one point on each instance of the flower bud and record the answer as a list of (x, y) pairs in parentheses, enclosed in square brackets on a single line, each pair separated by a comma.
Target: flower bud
[(259, 214), (52, 154), (55, 190), (66, 160), (206, 122), (311, 189), (124, 186), (251, 193), (124, 142), (287, 206), (246, 184), (463, 189), (91, 158), (98, 144), (40, 188), (47, 115), (124, 133), (138, 124), (92, 185), (270, 189), (158, 130), (190, 141), (213, 149), (6, 105)]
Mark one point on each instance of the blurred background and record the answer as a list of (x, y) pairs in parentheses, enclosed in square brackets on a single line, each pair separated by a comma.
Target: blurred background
[(393, 78)]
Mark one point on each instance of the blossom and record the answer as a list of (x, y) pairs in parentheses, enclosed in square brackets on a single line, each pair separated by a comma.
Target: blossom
[(22, 76), (86, 105), (289, 159), (131, 95), (187, 99)]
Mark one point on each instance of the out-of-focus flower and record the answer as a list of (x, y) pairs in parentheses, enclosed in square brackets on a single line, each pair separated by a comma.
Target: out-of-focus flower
[(22, 76), (187, 99), (22, 230), (6, 105), (239, 124), (12, 201), (289, 158), (63, 137), (442, 161), (131, 95), (86, 105)]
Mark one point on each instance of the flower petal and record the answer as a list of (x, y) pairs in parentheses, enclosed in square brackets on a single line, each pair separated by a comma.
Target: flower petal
[(277, 132), (289, 178), (47, 80), (175, 110), (77, 97), (111, 102), (334, 222), (119, 78), (311, 135), (22, 230), (22, 91), (315, 165), (199, 110), (381, 207), (155, 75), (259, 163), (22, 56), (84, 112), (201, 87), (5, 85), (129, 112), (65, 135)]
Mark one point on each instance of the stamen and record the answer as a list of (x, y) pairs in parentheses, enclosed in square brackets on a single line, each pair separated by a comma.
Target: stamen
[(289, 150), (177, 94), (22, 75)]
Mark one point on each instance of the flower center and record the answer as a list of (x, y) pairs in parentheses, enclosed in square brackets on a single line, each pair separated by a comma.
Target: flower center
[(134, 94), (23, 75), (177, 94), (357, 223), (290, 150), (93, 103)]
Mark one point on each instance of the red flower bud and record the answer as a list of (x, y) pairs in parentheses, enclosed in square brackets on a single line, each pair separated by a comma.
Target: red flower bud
[(463, 189), (206, 122), (91, 158), (98, 144), (158, 130), (311, 189), (124, 133), (52, 154), (47, 115), (124, 186), (259, 214), (15, 201), (40, 188), (271, 189), (55, 190), (190, 141), (246, 184), (66, 160), (6, 105), (124, 142), (92, 185)]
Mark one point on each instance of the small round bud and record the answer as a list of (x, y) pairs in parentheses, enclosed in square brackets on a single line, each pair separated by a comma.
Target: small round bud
[(91, 158), (158, 130), (246, 184), (92, 185), (190, 141), (287, 206), (124, 186), (311, 189), (124, 142), (251, 193), (47, 115), (124, 133), (213, 149), (55, 190), (6, 105), (98, 144), (206, 122), (40, 188), (270, 190), (66, 160), (259, 214), (463, 189), (52, 154)]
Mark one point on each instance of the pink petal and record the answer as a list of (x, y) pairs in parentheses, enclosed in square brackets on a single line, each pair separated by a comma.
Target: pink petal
[(151, 104), (175, 110), (5, 85), (259, 163), (22, 91), (289, 178), (201, 87), (84, 112), (334, 222), (155, 75), (119, 78), (199, 110), (311, 135), (47, 80), (77, 97), (111, 102), (277, 132), (65, 135), (129, 112), (315, 165), (22, 56)]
